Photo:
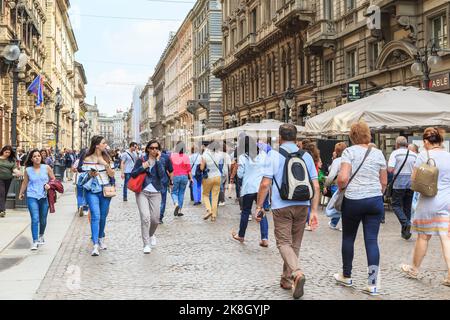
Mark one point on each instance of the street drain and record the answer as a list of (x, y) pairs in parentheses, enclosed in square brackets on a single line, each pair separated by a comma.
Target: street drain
[(21, 243), (6, 263)]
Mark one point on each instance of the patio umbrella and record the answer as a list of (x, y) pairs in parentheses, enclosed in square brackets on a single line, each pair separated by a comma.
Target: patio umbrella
[(395, 108)]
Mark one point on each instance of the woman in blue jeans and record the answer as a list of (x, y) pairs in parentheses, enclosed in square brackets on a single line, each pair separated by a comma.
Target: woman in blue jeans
[(363, 202), (96, 163), (250, 170), (36, 179)]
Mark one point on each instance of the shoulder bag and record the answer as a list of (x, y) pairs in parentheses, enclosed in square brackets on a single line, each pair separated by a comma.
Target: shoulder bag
[(136, 184), (390, 187), (109, 190), (338, 198)]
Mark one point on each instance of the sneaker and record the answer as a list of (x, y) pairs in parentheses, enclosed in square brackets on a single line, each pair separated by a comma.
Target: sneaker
[(95, 252), (333, 227), (41, 241), (308, 228), (153, 241), (147, 249), (250, 217), (161, 221), (371, 290), (2, 214), (175, 212), (221, 204), (340, 279), (101, 244), (180, 214), (125, 200), (34, 246), (406, 233), (297, 288)]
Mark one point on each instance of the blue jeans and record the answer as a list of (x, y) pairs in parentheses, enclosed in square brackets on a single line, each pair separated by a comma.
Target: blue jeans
[(162, 208), (99, 206), (335, 220), (370, 212), (125, 184), (38, 212), (197, 190), (266, 204), (248, 200), (81, 197), (179, 188)]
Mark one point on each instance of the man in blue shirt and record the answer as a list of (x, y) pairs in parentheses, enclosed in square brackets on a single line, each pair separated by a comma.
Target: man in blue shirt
[(289, 217)]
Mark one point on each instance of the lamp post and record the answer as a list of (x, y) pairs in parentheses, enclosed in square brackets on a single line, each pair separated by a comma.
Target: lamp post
[(73, 117), (17, 60), (426, 60), (287, 103), (59, 170)]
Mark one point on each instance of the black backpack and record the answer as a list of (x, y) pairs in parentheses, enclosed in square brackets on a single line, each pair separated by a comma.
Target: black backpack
[(297, 184)]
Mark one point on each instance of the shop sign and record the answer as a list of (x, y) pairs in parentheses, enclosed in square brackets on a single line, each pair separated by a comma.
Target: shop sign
[(353, 91), (440, 82)]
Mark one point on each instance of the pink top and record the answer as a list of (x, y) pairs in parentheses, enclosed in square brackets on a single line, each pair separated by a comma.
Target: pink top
[(181, 164)]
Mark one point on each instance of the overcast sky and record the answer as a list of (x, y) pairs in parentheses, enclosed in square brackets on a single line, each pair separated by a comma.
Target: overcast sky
[(117, 53)]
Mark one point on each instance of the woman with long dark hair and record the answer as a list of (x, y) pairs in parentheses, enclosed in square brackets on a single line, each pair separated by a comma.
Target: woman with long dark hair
[(47, 158), (36, 179), (8, 168), (96, 163), (149, 199)]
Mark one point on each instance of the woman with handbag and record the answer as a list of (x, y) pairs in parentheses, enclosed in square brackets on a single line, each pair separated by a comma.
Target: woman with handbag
[(8, 169), (211, 179), (96, 163), (432, 214), (148, 172), (330, 182), (36, 183), (362, 180)]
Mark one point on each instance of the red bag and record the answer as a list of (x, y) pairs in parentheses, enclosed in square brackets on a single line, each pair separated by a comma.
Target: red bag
[(135, 184)]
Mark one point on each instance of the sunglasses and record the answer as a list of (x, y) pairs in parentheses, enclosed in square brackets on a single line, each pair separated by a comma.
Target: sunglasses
[(153, 148)]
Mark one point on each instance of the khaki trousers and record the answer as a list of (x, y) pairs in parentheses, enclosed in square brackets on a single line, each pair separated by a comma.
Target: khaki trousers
[(148, 205), (289, 226), (211, 185)]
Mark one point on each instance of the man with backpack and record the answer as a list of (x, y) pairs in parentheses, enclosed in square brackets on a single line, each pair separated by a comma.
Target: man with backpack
[(293, 176), (128, 159)]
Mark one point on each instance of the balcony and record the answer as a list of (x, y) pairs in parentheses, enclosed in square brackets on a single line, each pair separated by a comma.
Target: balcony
[(265, 32), (321, 34), (245, 46), (217, 67), (295, 11)]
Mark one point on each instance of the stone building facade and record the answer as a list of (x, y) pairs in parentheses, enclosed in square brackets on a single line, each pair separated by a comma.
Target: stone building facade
[(80, 108), (147, 112)]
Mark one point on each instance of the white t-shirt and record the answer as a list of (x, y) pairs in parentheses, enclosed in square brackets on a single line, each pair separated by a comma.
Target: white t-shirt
[(396, 160), (212, 160), (366, 183)]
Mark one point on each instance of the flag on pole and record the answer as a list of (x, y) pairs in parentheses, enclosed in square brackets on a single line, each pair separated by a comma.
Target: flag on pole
[(37, 88)]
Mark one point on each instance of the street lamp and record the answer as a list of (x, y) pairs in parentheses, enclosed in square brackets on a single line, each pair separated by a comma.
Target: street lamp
[(81, 129), (59, 170), (73, 117), (287, 103), (17, 60), (426, 60)]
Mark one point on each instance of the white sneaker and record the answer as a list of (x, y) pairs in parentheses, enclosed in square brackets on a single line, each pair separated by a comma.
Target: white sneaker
[(147, 249), (333, 227), (371, 290), (34, 247), (41, 241), (221, 204), (340, 279), (101, 244), (95, 252), (250, 217), (153, 241)]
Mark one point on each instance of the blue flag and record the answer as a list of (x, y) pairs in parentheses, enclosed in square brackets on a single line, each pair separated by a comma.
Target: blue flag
[(37, 88)]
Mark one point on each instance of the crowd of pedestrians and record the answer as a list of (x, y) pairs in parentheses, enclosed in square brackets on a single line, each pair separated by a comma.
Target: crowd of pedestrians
[(290, 181)]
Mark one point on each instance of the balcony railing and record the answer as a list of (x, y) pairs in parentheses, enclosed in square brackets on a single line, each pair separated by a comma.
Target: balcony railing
[(245, 45), (303, 9), (320, 33)]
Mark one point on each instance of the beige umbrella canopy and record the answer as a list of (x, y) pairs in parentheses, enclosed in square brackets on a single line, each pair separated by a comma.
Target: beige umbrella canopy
[(395, 108), (264, 129)]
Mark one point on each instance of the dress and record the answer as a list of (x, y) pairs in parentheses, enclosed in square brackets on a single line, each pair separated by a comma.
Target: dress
[(432, 214)]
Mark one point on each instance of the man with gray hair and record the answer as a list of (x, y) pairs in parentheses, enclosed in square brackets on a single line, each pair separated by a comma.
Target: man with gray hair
[(401, 164)]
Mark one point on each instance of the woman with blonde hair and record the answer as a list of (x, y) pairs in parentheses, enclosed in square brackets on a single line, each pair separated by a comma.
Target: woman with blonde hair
[(363, 179), (432, 214)]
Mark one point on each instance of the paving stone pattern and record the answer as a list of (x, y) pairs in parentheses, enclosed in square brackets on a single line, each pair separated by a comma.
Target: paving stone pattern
[(198, 260)]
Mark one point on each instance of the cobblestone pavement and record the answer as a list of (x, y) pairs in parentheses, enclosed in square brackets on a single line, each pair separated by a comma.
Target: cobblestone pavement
[(198, 260)]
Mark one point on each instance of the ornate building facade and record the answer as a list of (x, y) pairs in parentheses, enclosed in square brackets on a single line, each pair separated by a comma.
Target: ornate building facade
[(147, 112), (80, 108)]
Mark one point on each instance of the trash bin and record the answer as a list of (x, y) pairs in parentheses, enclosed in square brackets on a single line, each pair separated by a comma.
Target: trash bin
[(59, 169)]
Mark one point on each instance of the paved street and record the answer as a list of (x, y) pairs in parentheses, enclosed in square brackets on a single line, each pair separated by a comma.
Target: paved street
[(195, 259)]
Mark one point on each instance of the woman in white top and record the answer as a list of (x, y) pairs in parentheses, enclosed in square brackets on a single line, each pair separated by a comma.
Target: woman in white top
[(97, 163), (211, 185), (331, 181), (251, 171), (432, 215)]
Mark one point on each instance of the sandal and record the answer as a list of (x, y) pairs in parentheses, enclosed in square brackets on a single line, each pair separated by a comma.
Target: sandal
[(236, 237), (409, 271), (446, 282)]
